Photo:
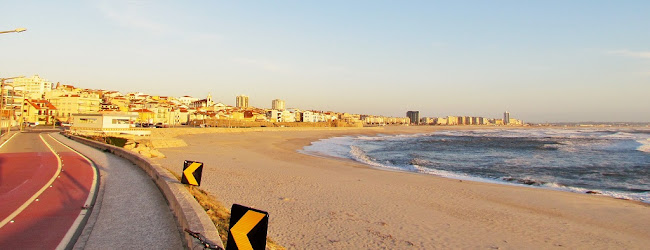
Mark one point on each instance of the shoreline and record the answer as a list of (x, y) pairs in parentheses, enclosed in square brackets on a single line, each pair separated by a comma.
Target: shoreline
[(320, 202), (628, 196)]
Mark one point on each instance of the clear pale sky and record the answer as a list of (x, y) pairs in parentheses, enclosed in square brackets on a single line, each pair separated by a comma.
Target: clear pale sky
[(540, 60)]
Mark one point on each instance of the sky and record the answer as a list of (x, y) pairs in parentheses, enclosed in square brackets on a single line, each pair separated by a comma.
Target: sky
[(543, 61)]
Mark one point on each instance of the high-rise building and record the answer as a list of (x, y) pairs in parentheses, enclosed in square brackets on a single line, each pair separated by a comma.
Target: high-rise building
[(277, 104), (34, 87), (414, 116), (506, 118), (242, 101)]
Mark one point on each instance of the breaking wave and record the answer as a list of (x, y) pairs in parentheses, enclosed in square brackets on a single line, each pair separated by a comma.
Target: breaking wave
[(598, 162), (645, 145)]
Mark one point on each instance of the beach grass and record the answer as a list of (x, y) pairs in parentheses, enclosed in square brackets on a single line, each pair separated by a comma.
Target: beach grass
[(219, 214)]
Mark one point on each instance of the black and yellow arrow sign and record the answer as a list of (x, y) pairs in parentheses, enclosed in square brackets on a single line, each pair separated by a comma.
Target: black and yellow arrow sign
[(248, 228), (192, 172)]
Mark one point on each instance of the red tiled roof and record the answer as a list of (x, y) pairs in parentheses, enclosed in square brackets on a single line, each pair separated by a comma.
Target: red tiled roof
[(34, 103), (142, 111)]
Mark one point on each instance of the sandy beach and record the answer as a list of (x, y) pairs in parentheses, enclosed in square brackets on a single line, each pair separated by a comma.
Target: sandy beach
[(328, 203)]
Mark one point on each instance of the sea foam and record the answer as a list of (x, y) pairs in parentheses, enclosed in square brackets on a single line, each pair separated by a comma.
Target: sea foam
[(415, 153), (645, 145)]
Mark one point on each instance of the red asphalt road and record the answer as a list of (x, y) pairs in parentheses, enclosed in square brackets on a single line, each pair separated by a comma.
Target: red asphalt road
[(21, 175), (45, 222)]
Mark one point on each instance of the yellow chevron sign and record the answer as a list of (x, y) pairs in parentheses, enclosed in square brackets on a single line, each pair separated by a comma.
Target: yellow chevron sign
[(192, 172), (247, 228), (244, 225)]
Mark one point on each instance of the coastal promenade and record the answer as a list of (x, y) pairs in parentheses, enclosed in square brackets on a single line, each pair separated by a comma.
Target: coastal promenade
[(130, 212), (49, 201)]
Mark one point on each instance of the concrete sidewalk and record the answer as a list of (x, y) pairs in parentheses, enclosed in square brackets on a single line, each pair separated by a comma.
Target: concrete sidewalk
[(130, 212)]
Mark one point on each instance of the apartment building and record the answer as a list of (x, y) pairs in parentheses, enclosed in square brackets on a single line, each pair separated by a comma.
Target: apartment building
[(414, 117), (308, 116), (69, 104), (241, 101), (277, 104), (33, 87)]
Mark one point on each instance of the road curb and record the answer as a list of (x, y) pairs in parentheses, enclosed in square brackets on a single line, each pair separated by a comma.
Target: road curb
[(187, 211)]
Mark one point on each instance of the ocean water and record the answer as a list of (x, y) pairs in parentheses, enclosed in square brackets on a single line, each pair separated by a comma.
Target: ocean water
[(612, 162)]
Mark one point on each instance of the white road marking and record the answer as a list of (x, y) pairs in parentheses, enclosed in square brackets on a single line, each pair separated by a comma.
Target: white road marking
[(39, 192), (82, 214)]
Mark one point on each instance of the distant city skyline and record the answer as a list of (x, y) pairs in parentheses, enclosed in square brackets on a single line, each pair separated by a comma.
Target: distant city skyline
[(546, 61)]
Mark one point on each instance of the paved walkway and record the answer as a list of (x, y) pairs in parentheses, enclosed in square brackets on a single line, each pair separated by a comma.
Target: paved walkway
[(130, 212)]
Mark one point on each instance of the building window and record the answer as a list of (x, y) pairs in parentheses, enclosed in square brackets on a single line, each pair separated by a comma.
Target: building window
[(87, 120), (120, 121)]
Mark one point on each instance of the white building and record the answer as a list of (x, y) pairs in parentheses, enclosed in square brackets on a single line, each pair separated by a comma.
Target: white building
[(186, 100), (203, 103), (274, 115), (288, 116), (34, 87), (308, 116), (106, 124), (280, 116)]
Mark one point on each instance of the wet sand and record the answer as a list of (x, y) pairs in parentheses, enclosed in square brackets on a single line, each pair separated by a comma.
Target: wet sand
[(318, 202)]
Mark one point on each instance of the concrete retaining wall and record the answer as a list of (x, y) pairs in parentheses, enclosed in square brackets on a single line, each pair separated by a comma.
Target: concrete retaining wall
[(179, 131), (187, 211)]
